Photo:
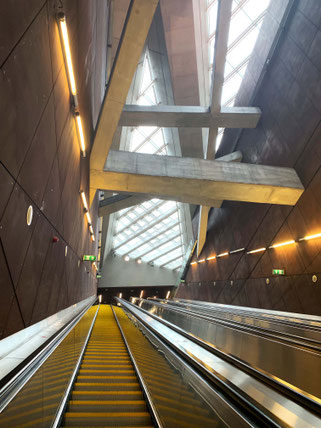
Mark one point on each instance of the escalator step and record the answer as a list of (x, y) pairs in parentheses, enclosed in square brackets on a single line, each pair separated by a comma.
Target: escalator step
[(95, 386), (107, 395), (95, 419), (107, 406)]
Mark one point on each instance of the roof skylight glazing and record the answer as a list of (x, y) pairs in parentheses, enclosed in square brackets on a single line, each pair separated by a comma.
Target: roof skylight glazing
[(152, 230), (246, 21)]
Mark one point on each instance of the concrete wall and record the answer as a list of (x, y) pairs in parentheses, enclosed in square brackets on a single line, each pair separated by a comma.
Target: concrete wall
[(40, 163), (118, 273), (289, 134)]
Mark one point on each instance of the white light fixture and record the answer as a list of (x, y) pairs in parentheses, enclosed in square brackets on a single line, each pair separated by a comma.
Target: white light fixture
[(29, 215), (193, 263), (126, 258), (120, 295), (141, 294), (223, 254), (100, 297), (256, 251), (81, 134), (211, 258), (167, 294), (201, 261), (139, 260), (84, 200), (65, 38), (307, 238), (282, 244), (88, 218), (237, 251)]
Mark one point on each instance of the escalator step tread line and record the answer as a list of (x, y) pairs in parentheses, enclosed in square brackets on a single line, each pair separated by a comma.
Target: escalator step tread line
[(106, 392)]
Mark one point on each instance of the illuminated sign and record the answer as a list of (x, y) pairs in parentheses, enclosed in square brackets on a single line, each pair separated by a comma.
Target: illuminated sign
[(278, 272), (89, 258)]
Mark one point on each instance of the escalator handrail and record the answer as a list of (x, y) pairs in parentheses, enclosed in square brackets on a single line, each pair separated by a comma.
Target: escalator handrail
[(283, 337), (19, 379), (294, 394), (311, 405)]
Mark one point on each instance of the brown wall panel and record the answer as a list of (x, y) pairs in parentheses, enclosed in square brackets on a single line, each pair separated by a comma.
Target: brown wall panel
[(40, 162), (288, 134)]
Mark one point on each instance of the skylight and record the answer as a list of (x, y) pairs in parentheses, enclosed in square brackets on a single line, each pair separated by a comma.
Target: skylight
[(152, 230), (246, 21)]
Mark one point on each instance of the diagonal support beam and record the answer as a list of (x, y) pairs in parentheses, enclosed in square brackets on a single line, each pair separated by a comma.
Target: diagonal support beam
[(138, 21), (197, 181), (189, 116), (118, 202)]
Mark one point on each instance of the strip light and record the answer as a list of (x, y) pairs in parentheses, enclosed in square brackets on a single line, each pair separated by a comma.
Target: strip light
[(237, 251), (167, 294), (282, 244), (71, 78), (84, 200), (88, 218), (93, 237), (201, 261), (211, 258), (91, 230), (256, 251), (120, 295), (65, 38), (307, 238), (193, 263), (141, 294), (223, 254), (81, 135)]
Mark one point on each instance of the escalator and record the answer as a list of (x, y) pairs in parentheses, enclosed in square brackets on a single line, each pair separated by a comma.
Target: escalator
[(106, 391), (124, 367)]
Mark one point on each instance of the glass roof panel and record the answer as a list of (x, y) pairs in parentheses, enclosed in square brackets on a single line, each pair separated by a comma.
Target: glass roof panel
[(246, 20), (149, 230)]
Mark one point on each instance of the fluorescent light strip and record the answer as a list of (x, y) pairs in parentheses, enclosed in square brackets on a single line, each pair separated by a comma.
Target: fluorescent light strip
[(88, 218), (167, 294), (91, 230), (141, 294), (307, 238), (237, 251), (193, 263), (92, 238), (211, 258), (81, 134), (84, 200), (256, 251), (65, 38), (201, 261), (223, 254), (282, 244)]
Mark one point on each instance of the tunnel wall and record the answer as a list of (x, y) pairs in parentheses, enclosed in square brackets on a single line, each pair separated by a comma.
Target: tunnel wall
[(40, 162), (288, 135)]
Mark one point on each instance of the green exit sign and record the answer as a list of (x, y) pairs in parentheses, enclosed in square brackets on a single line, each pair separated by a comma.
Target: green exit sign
[(98, 276), (278, 272), (89, 258)]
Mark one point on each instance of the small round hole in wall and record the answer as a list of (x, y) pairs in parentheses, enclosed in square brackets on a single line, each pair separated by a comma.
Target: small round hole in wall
[(267, 281), (29, 215), (314, 278), (66, 251)]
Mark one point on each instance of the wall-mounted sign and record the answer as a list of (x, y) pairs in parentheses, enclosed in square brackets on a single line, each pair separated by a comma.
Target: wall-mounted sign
[(278, 272), (89, 258), (98, 276)]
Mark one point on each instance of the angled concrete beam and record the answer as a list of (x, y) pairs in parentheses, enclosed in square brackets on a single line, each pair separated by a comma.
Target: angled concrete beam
[(220, 51), (139, 18), (196, 180), (204, 210), (202, 227), (117, 203), (189, 116)]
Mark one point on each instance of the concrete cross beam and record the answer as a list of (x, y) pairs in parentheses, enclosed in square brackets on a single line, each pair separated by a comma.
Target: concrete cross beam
[(138, 21), (189, 116), (197, 181)]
